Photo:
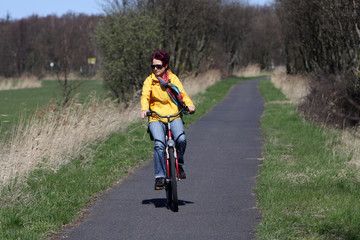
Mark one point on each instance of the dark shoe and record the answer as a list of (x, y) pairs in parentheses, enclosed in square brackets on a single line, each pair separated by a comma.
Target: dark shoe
[(159, 183), (182, 174)]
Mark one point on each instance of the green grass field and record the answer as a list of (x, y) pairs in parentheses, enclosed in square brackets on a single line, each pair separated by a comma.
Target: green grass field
[(305, 190), (22, 102)]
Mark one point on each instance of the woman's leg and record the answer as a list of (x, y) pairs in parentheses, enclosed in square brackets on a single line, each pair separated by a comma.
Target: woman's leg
[(157, 130), (177, 128)]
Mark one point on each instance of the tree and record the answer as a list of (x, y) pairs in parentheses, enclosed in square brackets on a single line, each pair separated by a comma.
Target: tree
[(322, 38), (127, 38), (190, 30), (320, 35), (235, 29), (262, 44)]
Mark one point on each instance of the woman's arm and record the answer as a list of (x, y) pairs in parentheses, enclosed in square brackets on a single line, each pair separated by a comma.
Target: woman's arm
[(145, 96)]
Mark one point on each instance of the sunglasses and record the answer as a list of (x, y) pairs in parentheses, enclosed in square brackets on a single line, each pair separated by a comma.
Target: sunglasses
[(159, 66)]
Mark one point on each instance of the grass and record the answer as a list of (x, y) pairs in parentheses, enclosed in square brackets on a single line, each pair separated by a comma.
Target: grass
[(49, 199), (305, 189), (17, 103)]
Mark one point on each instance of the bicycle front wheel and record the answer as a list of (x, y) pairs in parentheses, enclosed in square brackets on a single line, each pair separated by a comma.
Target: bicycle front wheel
[(173, 180)]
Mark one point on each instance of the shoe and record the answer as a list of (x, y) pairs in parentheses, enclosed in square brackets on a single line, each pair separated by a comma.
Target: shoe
[(159, 183), (182, 174)]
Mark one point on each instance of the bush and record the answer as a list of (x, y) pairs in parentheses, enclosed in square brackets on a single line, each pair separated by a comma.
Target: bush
[(332, 101)]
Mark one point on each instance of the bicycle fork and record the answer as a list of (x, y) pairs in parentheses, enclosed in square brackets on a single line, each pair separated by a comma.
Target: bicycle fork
[(170, 143)]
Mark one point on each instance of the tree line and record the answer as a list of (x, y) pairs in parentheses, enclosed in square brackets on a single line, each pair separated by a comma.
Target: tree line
[(322, 39), (41, 45), (198, 34)]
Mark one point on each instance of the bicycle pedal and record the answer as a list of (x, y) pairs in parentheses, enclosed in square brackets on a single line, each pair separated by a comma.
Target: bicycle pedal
[(159, 188)]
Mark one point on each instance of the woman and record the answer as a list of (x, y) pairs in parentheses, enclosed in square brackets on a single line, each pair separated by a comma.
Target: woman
[(156, 96)]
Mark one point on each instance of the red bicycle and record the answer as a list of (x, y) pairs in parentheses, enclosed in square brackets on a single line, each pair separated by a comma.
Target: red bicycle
[(172, 165)]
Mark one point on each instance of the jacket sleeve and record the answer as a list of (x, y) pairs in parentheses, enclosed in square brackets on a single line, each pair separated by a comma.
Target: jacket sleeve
[(184, 95), (146, 92)]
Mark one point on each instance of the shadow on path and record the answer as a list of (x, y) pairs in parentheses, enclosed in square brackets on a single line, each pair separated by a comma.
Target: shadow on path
[(161, 202)]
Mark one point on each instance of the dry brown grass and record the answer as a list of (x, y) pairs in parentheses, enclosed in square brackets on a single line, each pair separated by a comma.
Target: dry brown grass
[(19, 83), (52, 137), (72, 76), (250, 71), (194, 85), (349, 145), (294, 88)]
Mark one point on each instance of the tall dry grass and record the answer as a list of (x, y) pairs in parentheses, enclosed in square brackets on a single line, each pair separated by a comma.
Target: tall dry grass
[(53, 136), (296, 88), (72, 76), (350, 145), (194, 85), (19, 83), (252, 70)]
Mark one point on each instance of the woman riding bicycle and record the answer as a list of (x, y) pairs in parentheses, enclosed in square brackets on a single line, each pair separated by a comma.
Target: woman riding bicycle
[(163, 93)]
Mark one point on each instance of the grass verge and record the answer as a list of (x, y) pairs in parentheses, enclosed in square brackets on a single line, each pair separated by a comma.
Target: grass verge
[(305, 189), (48, 200)]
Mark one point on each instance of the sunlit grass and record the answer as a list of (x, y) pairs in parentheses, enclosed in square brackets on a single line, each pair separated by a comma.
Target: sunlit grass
[(306, 190)]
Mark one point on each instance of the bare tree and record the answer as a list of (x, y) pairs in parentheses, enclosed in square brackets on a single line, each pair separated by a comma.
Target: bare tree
[(68, 44), (235, 28), (322, 38), (190, 30)]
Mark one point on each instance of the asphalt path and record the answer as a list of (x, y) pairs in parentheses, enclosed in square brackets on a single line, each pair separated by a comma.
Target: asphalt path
[(217, 199)]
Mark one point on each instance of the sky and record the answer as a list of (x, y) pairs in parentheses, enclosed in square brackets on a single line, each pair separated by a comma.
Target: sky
[(24, 8)]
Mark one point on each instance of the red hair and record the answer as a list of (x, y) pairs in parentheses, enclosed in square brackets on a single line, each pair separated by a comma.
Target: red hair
[(162, 56)]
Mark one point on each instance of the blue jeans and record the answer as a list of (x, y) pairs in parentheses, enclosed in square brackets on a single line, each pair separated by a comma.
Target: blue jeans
[(158, 132)]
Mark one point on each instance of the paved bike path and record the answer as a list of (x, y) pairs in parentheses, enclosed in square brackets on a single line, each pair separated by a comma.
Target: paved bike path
[(216, 201)]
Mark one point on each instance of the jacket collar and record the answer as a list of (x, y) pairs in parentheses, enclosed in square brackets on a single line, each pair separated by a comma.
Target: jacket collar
[(153, 76)]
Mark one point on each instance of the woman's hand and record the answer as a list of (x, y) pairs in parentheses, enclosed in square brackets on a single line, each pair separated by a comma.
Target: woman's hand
[(143, 114), (191, 109)]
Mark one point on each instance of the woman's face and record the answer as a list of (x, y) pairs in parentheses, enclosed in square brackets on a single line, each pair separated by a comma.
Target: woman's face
[(158, 68)]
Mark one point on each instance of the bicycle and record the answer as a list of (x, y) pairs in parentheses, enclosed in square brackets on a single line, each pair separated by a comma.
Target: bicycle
[(171, 162)]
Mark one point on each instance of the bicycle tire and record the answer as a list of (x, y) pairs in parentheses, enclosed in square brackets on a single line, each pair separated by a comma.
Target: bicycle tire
[(173, 180), (168, 184), (168, 192)]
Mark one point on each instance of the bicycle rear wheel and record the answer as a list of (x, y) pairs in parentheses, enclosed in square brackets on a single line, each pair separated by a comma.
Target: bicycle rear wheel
[(173, 180)]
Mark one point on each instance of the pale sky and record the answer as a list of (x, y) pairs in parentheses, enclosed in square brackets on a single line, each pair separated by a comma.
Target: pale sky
[(24, 8)]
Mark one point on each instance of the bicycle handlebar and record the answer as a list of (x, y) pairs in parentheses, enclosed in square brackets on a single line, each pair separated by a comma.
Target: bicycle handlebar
[(150, 113)]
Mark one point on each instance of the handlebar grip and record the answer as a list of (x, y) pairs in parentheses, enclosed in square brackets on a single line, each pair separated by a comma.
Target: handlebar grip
[(149, 113)]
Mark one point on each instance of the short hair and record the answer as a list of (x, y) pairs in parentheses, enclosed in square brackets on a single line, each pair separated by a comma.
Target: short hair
[(162, 56)]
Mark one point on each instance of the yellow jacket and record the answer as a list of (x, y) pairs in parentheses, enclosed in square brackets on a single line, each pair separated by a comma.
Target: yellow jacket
[(155, 98)]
